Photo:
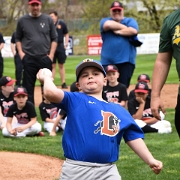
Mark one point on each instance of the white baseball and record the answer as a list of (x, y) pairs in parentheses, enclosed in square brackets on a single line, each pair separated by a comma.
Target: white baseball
[(45, 71)]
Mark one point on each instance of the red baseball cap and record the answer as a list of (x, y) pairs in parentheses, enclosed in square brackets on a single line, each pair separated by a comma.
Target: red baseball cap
[(111, 68), (20, 90), (116, 5), (34, 1), (141, 87), (6, 81), (143, 78)]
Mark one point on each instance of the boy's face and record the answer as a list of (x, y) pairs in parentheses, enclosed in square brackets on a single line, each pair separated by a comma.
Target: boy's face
[(21, 100), (112, 76), (91, 80), (141, 95), (8, 89)]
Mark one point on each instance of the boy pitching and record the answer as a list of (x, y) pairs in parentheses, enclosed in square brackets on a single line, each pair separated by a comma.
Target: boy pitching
[(25, 113), (94, 127)]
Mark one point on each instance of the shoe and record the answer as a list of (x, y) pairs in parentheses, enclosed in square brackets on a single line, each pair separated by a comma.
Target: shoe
[(165, 130), (41, 133), (64, 86)]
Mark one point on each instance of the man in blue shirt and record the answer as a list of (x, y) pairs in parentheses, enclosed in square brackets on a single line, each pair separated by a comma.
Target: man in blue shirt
[(117, 47)]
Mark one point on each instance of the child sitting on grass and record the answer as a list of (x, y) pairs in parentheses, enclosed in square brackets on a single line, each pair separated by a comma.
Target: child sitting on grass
[(94, 127), (6, 99), (25, 113)]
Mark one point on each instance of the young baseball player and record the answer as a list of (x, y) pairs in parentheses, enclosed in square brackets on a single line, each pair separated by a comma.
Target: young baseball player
[(6, 98), (114, 91), (141, 78), (25, 113), (139, 108), (50, 114), (94, 127)]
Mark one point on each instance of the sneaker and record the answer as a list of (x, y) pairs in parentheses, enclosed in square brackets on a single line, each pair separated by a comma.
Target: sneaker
[(40, 133), (64, 86), (165, 130)]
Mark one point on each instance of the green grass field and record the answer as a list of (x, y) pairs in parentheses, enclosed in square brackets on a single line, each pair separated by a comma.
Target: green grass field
[(164, 147), (144, 64)]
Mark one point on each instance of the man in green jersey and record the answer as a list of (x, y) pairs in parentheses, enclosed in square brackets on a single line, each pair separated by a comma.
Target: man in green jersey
[(169, 47)]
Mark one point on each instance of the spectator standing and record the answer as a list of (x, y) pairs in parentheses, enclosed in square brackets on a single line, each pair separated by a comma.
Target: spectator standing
[(169, 48), (17, 61), (60, 53), (36, 40), (114, 91), (1, 58), (117, 49)]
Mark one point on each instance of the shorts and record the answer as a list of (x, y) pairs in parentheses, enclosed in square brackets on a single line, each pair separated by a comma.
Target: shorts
[(73, 170), (60, 54)]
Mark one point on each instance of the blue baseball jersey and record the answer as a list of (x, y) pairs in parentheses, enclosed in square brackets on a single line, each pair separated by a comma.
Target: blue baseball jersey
[(117, 49), (95, 128)]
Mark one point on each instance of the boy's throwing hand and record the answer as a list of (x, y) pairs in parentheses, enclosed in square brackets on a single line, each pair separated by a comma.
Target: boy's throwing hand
[(156, 166)]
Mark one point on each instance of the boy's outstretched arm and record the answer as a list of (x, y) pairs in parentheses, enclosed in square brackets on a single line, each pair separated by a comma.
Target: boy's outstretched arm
[(140, 148), (51, 92)]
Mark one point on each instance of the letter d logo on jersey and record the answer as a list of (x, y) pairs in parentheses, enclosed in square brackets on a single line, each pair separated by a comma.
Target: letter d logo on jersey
[(109, 125)]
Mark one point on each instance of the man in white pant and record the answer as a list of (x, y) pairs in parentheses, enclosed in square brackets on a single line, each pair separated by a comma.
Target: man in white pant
[(25, 113)]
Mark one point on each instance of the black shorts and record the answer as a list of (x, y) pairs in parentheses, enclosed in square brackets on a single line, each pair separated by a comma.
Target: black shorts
[(60, 54)]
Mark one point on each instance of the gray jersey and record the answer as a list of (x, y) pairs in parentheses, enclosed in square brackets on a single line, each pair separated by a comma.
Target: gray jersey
[(36, 34)]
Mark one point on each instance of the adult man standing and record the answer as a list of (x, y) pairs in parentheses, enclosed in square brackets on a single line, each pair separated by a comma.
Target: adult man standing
[(1, 58), (117, 48), (17, 61), (36, 40), (169, 47), (60, 53)]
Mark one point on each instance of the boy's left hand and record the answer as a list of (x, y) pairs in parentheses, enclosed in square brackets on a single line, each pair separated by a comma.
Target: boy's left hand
[(156, 166), (20, 129)]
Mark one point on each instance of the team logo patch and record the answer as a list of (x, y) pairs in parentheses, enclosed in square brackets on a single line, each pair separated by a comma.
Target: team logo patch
[(176, 37), (109, 125)]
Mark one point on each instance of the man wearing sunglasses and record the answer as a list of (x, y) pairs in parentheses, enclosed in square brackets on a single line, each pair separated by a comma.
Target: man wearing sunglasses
[(117, 48)]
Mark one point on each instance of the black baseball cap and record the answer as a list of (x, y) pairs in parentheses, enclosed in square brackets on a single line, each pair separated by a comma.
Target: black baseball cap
[(116, 5), (88, 63), (111, 68), (141, 87), (6, 81), (34, 1), (73, 87), (143, 78), (20, 90)]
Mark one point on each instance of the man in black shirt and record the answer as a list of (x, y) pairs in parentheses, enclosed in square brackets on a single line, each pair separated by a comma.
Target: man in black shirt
[(36, 40)]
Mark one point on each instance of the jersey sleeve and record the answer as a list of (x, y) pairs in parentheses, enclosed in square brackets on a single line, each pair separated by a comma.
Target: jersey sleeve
[(10, 111), (165, 44), (43, 113), (32, 111), (132, 107)]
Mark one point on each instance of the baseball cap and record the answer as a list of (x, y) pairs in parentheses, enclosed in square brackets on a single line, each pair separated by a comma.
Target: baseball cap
[(73, 87), (111, 68), (141, 87), (116, 5), (20, 90), (143, 78), (88, 63), (6, 81), (34, 1)]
